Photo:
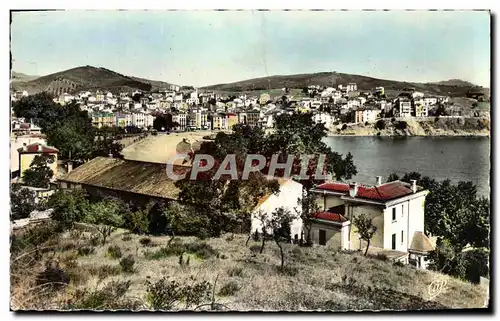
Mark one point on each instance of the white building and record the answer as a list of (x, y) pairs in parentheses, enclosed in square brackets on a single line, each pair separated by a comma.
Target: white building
[(396, 210), (429, 101), (324, 118), (289, 192), (142, 120)]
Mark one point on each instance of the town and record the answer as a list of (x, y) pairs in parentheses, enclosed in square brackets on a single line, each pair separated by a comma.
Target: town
[(200, 175), (189, 109)]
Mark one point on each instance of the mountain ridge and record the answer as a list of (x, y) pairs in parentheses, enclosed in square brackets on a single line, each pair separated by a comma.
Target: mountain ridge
[(86, 78), (452, 87)]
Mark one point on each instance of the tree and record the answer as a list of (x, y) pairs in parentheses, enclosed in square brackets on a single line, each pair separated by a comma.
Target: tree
[(279, 224), (366, 229), (105, 215), (39, 173), (308, 209), (22, 202), (69, 206)]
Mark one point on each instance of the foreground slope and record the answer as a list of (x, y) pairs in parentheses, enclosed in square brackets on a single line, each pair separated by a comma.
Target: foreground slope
[(314, 278)]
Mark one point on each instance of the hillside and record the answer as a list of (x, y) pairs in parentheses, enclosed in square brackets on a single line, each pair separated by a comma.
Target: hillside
[(318, 278), (82, 78), (328, 79), (454, 82), (18, 76), (155, 84), (443, 126)]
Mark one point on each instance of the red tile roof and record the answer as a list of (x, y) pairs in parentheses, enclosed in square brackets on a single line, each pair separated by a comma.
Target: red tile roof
[(33, 148), (332, 217), (384, 192)]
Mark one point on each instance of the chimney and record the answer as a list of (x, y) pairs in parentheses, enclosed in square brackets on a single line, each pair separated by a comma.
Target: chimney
[(39, 147), (379, 180), (70, 167), (353, 189), (413, 185), (110, 155), (25, 147)]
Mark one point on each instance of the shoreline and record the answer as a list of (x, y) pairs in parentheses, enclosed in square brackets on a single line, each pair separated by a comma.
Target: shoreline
[(386, 135)]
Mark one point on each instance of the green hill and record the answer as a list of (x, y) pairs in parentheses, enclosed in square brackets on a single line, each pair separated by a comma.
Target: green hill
[(450, 88), (86, 78)]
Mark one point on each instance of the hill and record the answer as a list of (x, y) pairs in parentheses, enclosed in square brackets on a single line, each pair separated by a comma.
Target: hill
[(18, 76), (453, 82), (239, 278), (335, 78), (155, 84), (86, 78)]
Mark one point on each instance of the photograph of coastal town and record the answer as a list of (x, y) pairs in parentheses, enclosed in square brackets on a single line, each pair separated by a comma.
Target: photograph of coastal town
[(250, 160)]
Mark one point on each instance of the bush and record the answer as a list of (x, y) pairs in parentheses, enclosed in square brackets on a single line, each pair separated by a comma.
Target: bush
[(104, 271), (127, 264), (95, 240), (402, 125), (255, 248), (235, 271), (69, 206), (126, 238), (108, 298), (138, 222), (228, 289), (166, 294), (86, 250), (200, 249), (35, 236), (380, 124), (115, 252), (288, 270), (52, 277), (145, 241), (344, 127)]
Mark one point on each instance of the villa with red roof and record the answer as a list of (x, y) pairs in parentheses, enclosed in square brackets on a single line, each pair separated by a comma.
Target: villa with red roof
[(396, 209)]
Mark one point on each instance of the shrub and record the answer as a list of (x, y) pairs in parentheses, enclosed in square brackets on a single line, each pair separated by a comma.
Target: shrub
[(86, 250), (52, 277), (35, 236), (145, 241), (166, 294), (393, 119), (69, 206), (95, 240), (256, 236), (344, 127), (228, 289), (126, 238), (127, 264), (380, 124), (402, 125), (200, 249), (138, 222), (255, 248), (107, 298), (235, 271), (288, 270), (104, 271), (115, 252)]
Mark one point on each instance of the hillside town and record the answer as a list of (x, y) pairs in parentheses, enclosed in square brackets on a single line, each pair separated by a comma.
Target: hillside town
[(193, 109)]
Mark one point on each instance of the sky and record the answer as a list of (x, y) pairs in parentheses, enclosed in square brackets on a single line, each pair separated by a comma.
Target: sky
[(209, 47)]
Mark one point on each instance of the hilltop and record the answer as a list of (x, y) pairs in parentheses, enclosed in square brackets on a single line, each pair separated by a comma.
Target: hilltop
[(86, 78), (18, 76), (450, 87)]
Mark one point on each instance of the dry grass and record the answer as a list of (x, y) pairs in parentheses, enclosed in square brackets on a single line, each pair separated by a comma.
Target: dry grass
[(313, 280)]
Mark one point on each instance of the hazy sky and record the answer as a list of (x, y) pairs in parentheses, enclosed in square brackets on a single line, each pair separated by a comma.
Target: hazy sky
[(208, 47)]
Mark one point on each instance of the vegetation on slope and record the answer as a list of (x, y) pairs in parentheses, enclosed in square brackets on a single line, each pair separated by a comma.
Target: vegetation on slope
[(218, 273)]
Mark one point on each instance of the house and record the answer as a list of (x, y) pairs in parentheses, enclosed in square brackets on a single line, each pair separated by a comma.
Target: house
[(396, 209), (143, 182), (289, 193), (181, 119), (142, 120), (123, 120), (403, 107), (103, 119), (352, 87), (27, 154), (324, 118), (362, 115)]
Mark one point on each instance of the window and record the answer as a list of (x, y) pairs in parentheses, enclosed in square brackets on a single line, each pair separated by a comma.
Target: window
[(393, 213), (394, 241), (402, 210), (402, 236)]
